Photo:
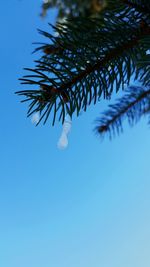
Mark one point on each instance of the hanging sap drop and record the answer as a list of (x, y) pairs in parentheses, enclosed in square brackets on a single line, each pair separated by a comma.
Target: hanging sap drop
[(35, 118), (63, 140)]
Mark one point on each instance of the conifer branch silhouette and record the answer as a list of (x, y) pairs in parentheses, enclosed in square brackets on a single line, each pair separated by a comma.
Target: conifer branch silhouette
[(88, 59)]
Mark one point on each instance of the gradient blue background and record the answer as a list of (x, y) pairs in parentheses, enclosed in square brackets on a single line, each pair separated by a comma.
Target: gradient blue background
[(87, 206)]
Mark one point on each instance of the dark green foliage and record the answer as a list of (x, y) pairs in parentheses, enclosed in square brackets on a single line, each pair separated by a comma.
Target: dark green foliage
[(90, 58), (73, 8), (144, 69), (133, 105)]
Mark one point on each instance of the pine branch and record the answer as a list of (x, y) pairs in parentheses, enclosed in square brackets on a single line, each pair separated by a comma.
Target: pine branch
[(110, 56), (90, 67), (88, 59), (132, 106)]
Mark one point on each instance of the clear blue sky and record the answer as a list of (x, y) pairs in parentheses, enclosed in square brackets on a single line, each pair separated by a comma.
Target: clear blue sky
[(87, 206)]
